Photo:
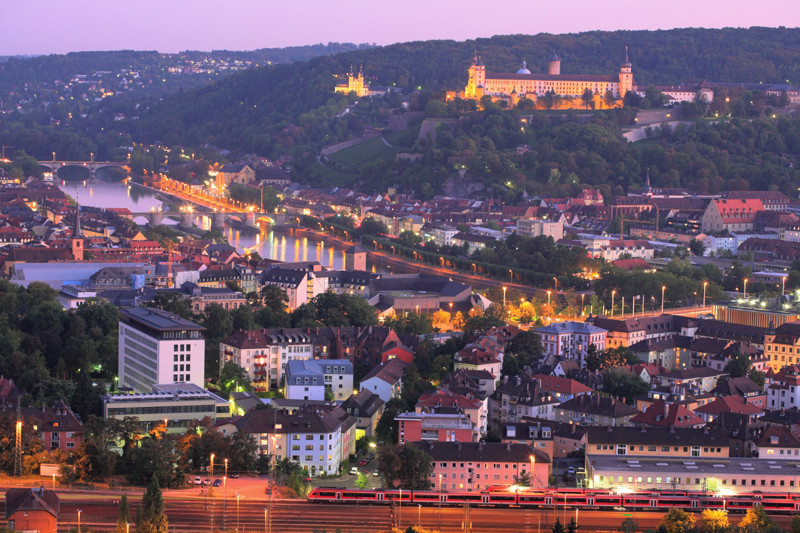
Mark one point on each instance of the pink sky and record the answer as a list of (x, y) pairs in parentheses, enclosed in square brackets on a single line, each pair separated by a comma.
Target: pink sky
[(59, 26)]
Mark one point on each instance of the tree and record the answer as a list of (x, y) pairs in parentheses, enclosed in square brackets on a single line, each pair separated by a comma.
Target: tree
[(572, 527), (440, 319), (404, 466), (370, 226), (697, 248), (524, 350), (242, 318), (795, 527), (756, 520), (558, 527), (124, 515), (677, 521), (739, 365), (629, 525), (362, 480), (458, 321), (587, 97), (172, 302), (623, 383), (611, 357), (151, 517), (85, 400), (275, 298), (715, 521), (233, 378)]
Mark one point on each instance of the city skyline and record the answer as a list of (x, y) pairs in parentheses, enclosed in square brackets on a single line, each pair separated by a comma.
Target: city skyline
[(89, 25)]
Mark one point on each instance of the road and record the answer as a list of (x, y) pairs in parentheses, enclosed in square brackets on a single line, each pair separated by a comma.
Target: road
[(191, 513)]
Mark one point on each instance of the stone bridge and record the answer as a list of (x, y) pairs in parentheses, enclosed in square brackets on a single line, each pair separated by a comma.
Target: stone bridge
[(54, 166), (188, 218)]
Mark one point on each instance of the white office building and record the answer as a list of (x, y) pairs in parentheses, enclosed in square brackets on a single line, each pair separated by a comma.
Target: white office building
[(159, 347)]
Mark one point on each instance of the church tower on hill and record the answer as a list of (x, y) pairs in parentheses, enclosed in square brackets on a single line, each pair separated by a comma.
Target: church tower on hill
[(477, 79), (625, 76), (77, 236)]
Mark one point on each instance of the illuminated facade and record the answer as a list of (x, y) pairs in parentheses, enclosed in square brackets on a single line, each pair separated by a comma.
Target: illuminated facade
[(355, 84), (514, 86)]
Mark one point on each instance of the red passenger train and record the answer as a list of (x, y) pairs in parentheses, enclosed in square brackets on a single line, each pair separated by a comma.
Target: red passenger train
[(573, 498)]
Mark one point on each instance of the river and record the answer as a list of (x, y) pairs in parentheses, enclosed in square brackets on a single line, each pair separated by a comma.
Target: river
[(280, 245)]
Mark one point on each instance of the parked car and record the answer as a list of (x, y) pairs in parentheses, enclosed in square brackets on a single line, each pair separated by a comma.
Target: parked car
[(268, 490), (363, 462), (354, 471), (198, 481), (375, 473), (217, 482), (235, 474), (207, 482)]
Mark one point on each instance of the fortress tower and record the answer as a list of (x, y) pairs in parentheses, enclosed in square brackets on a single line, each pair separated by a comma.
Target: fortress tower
[(554, 65)]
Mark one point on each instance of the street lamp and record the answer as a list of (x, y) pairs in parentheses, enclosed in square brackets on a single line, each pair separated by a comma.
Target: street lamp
[(79, 521), (265, 520), (548, 297), (663, 288), (533, 464), (504, 297), (510, 275), (583, 297), (745, 287), (212, 464), (419, 516), (613, 294), (555, 281), (237, 510), (705, 286), (127, 527), (400, 511)]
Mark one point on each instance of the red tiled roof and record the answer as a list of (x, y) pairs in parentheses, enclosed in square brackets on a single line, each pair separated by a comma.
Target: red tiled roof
[(559, 384), (661, 413)]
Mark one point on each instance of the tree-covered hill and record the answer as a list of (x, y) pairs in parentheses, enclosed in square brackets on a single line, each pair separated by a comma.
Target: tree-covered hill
[(275, 110)]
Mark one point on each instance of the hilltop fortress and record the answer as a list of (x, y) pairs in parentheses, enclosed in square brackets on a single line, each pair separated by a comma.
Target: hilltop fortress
[(551, 90)]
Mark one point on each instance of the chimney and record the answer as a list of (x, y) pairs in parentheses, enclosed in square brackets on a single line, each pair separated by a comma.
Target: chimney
[(508, 447)]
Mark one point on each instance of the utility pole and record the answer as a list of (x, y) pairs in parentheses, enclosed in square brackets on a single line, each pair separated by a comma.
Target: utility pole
[(467, 525)]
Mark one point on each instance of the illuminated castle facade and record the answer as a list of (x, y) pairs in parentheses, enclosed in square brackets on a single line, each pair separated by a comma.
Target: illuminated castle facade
[(355, 83), (513, 86)]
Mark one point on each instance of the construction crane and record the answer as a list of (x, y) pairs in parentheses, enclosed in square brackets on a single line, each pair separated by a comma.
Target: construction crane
[(170, 246)]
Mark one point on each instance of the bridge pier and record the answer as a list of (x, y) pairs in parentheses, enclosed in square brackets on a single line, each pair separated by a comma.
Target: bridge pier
[(218, 220), (187, 219), (156, 219), (250, 220)]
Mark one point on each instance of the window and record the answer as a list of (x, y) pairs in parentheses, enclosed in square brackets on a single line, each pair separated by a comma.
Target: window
[(695, 451), (621, 449)]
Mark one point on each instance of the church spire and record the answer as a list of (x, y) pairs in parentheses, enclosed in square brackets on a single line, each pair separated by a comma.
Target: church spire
[(76, 233), (626, 54)]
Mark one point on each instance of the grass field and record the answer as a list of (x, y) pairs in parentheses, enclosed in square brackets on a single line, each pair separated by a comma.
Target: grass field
[(369, 150), (331, 176)]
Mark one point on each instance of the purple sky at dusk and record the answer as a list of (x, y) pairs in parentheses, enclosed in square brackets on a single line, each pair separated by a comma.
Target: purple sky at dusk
[(59, 26)]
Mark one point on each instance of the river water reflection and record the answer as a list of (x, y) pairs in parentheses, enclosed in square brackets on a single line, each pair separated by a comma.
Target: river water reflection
[(280, 245)]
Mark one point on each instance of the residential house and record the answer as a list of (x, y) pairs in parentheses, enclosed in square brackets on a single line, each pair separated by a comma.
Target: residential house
[(264, 354), (367, 408), (308, 436), (519, 397), (442, 423), (386, 379), (777, 442), (562, 389), (663, 413), (728, 404), (571, 340), (319, 379), (657, 442), (701, 377), (594, 409), (476, 408), (57, 426), (475, 466)]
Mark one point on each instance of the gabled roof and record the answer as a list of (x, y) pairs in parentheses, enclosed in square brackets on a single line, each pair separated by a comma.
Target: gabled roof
[(391, 371), (558, 384), (656, 436), (777, 436), (596, 404), (481, 451), (36, 499), (664, 414), (729, 404)]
